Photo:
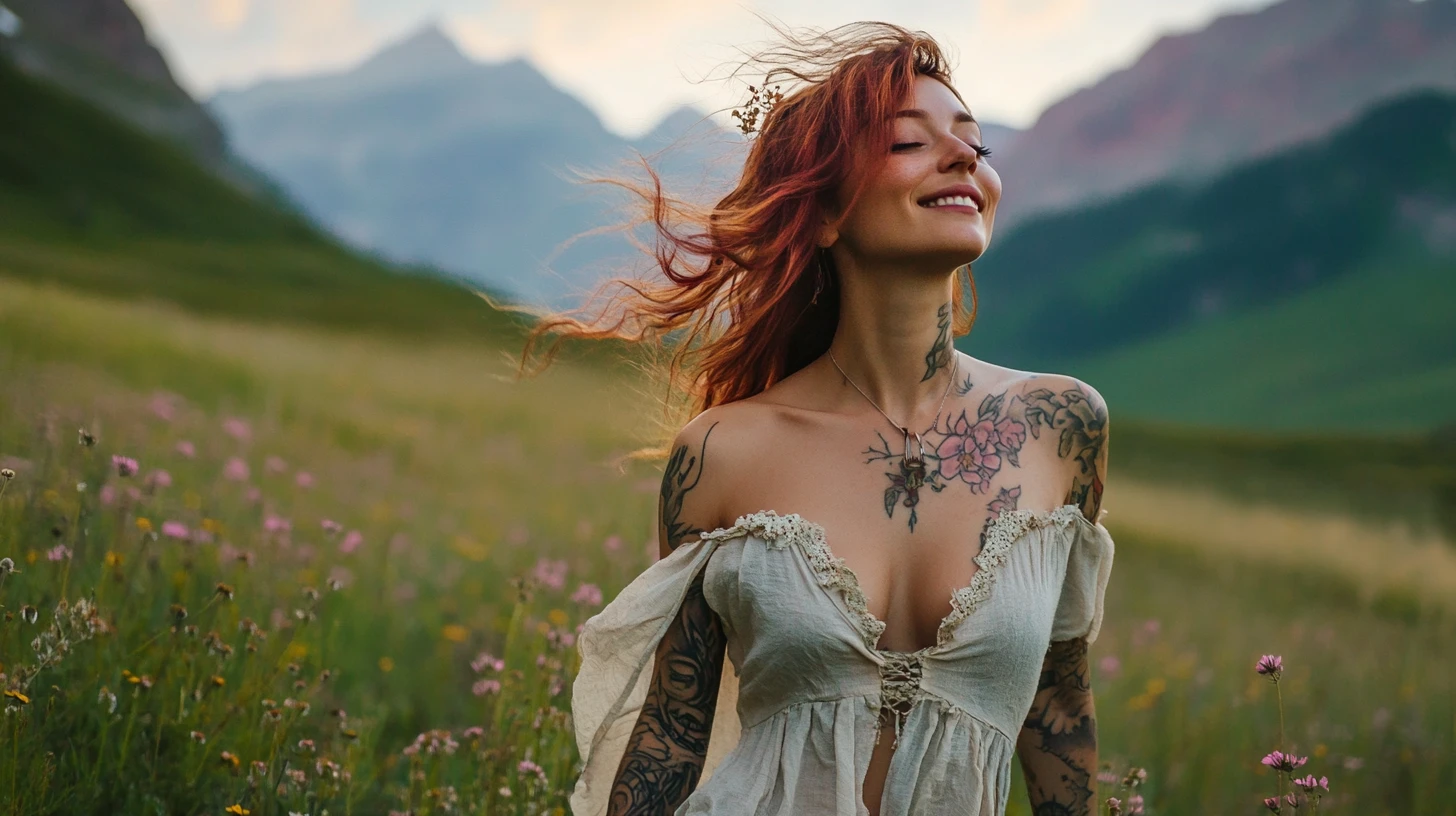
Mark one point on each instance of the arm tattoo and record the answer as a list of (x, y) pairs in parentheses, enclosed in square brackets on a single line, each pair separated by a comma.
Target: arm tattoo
[(940, 352), (1082, 423), (675, 486), (1058, 742), (668, 746)]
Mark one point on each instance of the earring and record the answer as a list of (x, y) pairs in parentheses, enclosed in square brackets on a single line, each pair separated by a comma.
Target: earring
[(819, 278)]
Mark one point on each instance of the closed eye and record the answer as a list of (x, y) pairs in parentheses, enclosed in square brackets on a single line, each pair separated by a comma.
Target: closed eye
[(981, 150)]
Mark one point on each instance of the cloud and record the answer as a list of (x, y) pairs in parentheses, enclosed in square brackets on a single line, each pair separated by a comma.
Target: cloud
[(227, 15), (1034, 17)]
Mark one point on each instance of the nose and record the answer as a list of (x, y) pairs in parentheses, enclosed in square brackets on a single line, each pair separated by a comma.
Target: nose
[(964, 153)]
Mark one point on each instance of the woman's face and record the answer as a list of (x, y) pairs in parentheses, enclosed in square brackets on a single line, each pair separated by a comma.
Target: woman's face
[(941, 149)]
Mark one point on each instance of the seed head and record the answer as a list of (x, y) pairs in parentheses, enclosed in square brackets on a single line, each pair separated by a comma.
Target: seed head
[(6, 474), (85, 439)]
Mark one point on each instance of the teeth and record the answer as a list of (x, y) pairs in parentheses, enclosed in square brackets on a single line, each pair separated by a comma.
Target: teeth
[(964, 201)]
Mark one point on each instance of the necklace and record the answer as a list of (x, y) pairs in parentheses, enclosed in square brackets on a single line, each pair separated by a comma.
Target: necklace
[(912, 468)]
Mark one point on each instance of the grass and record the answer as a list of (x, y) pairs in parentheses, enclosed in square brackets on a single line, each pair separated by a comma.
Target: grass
[(466, 489)]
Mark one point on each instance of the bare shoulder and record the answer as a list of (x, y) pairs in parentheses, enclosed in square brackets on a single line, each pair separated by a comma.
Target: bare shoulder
[(702, 463), (1074, 416), (1063, 422)]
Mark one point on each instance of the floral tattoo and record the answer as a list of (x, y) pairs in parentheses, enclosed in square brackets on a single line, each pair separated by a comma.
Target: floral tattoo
[(1083, 428), (971, 451)]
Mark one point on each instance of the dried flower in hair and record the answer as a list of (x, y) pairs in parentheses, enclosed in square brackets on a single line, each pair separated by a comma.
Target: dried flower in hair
[(759, 105)]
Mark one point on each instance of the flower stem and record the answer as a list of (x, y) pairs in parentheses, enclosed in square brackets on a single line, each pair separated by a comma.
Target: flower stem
[(1279, 697)]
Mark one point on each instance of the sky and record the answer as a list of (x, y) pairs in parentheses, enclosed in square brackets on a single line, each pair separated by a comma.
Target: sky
[(634, 61)]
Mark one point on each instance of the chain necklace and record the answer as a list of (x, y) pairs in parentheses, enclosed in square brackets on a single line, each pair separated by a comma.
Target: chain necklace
[(909, 466)]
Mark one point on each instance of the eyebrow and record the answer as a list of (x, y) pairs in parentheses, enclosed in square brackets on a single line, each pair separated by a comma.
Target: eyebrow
[(917, 113)]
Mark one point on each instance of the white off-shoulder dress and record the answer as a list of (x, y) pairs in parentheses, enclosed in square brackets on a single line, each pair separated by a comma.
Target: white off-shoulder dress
[(800, 711)]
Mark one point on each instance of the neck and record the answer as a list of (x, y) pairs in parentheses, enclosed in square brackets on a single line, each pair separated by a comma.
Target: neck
[(894, 342)]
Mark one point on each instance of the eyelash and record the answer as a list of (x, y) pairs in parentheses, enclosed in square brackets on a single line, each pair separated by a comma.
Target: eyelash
[(981, 150)]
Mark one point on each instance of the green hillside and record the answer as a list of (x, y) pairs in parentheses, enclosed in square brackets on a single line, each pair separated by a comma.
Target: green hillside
[(1309, 289), (88, 201)]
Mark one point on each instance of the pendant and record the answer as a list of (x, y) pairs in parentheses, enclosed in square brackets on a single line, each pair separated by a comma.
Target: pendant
[(913, 475)]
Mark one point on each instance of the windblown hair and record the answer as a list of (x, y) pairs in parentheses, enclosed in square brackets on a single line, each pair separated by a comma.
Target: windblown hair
[(756, 247)]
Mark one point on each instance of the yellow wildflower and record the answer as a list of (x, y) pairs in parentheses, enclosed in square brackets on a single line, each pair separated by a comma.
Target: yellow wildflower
[(144, 524), (192, 500), (557, 617), (455, 633), (212, 525), (386, 665), (238, 810), (12, 694), (113, 559)]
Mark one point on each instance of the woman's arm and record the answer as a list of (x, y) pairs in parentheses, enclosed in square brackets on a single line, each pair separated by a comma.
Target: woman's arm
[(669, 744), (1057, 745)]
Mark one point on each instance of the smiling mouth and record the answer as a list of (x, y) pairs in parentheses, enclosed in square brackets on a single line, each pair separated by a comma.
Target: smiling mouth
[(964, 208)]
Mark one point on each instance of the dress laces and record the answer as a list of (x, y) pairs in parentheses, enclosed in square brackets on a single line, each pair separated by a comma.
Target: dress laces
[(899, 686)]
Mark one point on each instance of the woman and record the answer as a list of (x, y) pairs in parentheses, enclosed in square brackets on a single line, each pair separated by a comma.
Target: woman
[(754, 670)]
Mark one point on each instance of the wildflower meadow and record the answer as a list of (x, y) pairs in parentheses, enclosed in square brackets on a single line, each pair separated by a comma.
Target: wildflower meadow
[(267, 569)]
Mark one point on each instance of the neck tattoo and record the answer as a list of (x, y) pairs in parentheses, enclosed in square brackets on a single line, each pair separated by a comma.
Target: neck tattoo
[(912, 467)]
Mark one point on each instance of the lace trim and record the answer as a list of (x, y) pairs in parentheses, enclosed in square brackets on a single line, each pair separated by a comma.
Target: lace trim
[(830, 571), (792, 529), (1004, 532)]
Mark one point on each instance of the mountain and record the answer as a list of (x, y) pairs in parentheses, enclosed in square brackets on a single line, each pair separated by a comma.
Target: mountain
[(89, 200), (1246, 85), (424, 155), (1312, 286), (100, 50)]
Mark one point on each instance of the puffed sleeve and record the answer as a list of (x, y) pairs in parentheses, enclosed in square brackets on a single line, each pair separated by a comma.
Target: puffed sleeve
[(618, 648), (1089, 566)]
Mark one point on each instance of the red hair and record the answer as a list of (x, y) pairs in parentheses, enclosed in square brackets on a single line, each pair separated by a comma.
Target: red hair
[(756, 247)]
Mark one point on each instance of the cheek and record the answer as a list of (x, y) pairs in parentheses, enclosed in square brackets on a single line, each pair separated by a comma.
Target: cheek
[(992, 181)]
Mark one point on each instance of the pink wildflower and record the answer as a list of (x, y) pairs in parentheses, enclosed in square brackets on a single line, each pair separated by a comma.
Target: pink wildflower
[(238, 429), (1272, 802), (1280, 761), (351, 542), (473, 732), (331, 527), (1270, 664), (158, 478), (236, 470), (612, 544), (1309, 783), (551, 573), (486, 661), (60, 552), (174, 529), (484, 687), (163, 406), (588, 594), (125, 465), (1109, 665), (108, 495), (275, 464), (276, 524), (304, 479), (187, 449)]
